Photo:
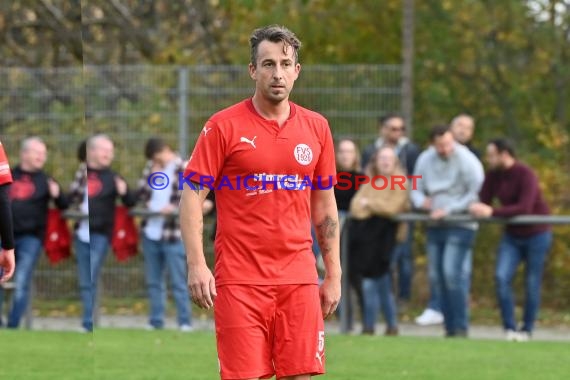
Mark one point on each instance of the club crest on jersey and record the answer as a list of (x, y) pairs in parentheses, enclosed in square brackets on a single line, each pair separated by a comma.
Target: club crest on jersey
[(303, 154)]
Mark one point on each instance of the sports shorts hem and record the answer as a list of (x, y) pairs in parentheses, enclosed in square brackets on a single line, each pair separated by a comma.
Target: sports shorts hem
[(248, 375), (299, 372)]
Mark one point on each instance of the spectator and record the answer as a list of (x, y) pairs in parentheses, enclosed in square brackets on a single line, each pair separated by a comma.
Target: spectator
[(348, 167), (462, 127), (373, 237), (30, 194), (392, 133), (162, 245), (450, 182), (7, 259), (93, 235), (516, 187)]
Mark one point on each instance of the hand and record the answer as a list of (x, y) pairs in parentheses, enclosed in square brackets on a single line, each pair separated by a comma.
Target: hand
[(168, 209), (438, 214), (426, 205), (120, 185), (480, 210), (7, 263), (364, 202), (329, 293), (207, 206), (53, 188), (202, 285)]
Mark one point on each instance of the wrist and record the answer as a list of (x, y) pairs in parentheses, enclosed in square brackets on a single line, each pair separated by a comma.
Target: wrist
[(333, 274)]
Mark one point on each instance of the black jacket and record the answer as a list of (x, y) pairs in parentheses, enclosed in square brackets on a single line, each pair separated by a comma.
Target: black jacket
[(102, 196), (371, 242), (30, 201)]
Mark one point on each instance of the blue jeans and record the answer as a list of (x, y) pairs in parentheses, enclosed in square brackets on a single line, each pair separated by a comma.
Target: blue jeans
[(448, 249), (532, 251), (159, 256), (27, 250), (403, 262), (434, 302), (377, 291), (90, 257)]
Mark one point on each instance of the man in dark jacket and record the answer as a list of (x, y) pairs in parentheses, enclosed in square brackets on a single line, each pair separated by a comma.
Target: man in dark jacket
[(93, 236), (31, 192), (392, 132)]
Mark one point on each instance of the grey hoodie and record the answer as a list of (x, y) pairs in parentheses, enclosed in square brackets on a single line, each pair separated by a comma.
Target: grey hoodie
[(452, 183)]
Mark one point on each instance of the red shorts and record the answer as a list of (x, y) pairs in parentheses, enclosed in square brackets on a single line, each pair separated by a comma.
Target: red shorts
[(262, 331)]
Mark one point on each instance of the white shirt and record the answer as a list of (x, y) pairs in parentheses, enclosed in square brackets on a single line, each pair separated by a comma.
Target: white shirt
[(158, 200)]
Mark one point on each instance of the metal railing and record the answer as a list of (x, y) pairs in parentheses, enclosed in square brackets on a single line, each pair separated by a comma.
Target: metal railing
[(425, 218)]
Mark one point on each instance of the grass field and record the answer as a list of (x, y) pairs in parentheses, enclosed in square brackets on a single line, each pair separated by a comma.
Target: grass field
[(170, 355)]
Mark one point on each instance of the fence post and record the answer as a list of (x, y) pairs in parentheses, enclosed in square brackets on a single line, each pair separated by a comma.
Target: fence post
[(183, 112), (345, 300)]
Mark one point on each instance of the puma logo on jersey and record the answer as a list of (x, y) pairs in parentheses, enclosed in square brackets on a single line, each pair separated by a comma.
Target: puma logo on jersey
[(320, 357), (206, 130), (246, 140)]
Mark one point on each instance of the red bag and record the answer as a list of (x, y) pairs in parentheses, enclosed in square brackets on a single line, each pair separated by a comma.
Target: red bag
[(57, 241), (125, 238)]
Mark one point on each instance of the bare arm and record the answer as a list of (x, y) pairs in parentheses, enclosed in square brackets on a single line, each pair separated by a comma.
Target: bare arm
[(325, 219), (200, 279)]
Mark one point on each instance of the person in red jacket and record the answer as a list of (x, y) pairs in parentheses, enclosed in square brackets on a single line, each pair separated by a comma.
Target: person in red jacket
[(516, 187), (7, 259)]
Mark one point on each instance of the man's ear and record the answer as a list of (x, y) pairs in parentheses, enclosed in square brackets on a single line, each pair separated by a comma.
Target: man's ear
[(252, 70)]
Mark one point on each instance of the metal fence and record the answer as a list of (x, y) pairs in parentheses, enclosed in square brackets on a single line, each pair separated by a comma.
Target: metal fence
[(133, 103)]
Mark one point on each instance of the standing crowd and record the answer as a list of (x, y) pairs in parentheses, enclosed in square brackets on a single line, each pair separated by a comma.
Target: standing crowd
[(453, 181)]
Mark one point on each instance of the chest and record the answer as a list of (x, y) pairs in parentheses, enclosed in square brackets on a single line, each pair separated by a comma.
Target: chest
[(100, 185), (290, 150), (26, 187)]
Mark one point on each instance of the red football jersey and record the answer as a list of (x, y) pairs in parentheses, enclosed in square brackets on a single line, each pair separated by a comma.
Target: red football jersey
[(5, 173), (262, 175)]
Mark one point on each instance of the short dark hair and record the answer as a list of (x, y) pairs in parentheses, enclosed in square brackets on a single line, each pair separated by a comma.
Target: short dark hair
[(382, 120), (274, 33), (82, 151), (153, 146), (438, 131), (503, 145)]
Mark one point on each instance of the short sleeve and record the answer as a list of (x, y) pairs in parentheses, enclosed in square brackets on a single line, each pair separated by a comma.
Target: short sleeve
[(208, 157), (5, 173), (325, 170)]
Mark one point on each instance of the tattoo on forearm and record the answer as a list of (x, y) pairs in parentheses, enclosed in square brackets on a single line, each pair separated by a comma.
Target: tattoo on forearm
[(326, 230)]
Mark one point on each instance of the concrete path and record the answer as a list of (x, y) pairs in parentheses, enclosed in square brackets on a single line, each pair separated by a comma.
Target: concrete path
[(561, 333)]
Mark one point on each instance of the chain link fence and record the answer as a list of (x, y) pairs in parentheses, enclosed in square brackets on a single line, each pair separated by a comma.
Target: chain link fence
[(134, 103)]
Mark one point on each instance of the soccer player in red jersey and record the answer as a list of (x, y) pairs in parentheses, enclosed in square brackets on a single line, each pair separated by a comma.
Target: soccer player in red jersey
[(7, 259), (272, 166)]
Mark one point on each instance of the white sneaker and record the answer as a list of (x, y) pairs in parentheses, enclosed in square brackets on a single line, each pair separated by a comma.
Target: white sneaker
[(186, 328), (511, 336), (430, 317), (523, 336), (517, 336)]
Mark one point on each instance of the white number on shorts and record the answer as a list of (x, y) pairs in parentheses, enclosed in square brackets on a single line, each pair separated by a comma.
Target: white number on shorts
[(321, 341)]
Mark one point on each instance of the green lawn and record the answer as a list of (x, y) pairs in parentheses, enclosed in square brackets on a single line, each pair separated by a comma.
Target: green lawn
[(170, 355)]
